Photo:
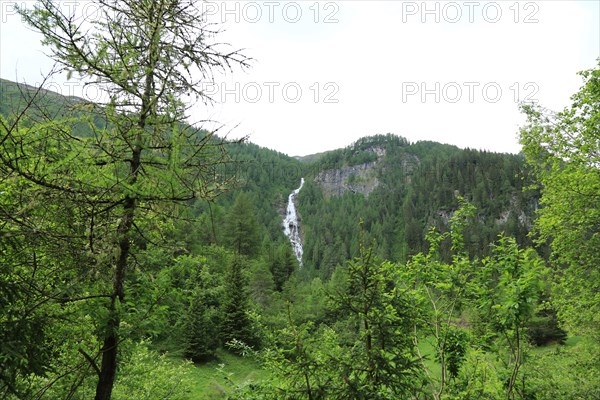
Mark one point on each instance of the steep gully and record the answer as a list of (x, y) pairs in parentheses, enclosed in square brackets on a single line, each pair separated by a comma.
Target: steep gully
[(291, 224)]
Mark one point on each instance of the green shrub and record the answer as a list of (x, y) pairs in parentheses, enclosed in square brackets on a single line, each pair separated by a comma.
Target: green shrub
[(147, 375), (566, 373)]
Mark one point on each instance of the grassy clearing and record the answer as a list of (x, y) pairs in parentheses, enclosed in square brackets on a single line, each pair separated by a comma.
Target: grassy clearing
[(427, 350), (214, 382), (570, 343)]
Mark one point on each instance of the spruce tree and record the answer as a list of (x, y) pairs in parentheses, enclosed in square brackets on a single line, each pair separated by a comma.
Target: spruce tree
[(202, 329), (282, 265), (241, 228), (236, 323)]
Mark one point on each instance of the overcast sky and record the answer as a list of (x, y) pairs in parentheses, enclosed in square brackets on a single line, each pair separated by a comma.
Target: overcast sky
[(327, 73)]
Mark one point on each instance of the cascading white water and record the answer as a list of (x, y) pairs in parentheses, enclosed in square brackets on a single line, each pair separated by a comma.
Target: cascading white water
[(291, 225)]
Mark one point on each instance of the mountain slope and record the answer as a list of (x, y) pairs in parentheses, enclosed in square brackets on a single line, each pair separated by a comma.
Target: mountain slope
[(398, 189)]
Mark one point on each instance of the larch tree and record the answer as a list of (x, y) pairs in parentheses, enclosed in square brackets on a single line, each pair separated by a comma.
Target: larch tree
[(131, 170)]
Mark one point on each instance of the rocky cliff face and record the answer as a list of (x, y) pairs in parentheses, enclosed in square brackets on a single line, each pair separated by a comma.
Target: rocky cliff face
[(356, 178), (360, 178)]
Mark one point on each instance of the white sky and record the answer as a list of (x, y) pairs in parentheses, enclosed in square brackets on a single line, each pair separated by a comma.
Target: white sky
[(367, 67)]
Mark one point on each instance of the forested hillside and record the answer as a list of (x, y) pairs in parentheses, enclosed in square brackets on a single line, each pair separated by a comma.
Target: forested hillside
[(144, 257), (414, 187)]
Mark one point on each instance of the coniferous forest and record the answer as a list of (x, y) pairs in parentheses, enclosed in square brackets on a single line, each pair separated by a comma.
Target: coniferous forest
[(144, 257)]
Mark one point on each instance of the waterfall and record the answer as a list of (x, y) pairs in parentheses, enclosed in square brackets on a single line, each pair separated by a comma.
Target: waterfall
[(291, 225)]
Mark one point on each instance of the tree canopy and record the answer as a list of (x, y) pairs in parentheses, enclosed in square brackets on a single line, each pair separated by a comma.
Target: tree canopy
[(564, 151)]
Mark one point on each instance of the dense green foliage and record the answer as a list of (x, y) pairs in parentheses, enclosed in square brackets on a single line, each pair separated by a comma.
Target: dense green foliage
[(367, 353), (132, 242), (564, 152)]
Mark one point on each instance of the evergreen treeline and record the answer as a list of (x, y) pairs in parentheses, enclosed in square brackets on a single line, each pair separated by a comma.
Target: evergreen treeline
[(419, 187)]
